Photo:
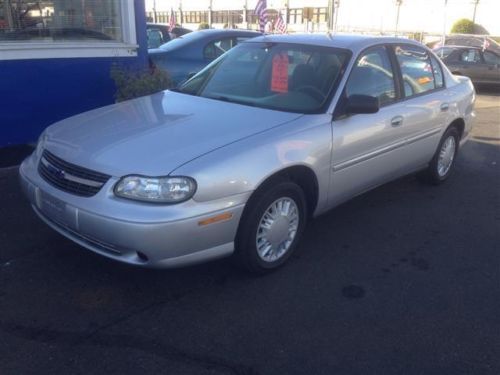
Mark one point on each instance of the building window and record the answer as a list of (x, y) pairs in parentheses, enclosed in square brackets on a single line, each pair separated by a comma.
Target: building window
[(319, 15), (229, 17), (83, 24), (295, 16), (195, 17)]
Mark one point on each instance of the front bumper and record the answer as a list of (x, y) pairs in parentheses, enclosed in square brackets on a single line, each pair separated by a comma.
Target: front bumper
[(132, 232)]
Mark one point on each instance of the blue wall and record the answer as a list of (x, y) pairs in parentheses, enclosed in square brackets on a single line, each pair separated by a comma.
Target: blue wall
[(36, 93)]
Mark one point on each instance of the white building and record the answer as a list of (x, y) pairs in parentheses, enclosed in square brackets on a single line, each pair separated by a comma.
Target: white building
[(429, 16)]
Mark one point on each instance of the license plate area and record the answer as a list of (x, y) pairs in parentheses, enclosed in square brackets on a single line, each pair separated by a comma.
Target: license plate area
[(53, 208)]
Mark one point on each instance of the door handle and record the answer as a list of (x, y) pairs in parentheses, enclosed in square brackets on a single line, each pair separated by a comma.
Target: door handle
[(397, 121), (445, 107)]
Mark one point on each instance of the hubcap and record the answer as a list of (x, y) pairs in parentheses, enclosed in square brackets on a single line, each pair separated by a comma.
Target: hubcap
[(446, 156), (277, 229)]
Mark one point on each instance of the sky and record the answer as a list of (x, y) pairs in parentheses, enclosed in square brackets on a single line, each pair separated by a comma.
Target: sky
[(415, 15)]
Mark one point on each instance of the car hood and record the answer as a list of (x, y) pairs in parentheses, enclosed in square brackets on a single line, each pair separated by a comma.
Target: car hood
[(156, 134)]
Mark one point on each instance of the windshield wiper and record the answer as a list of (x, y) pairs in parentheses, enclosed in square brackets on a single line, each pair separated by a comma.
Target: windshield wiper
[(179, 90), (230, 100)]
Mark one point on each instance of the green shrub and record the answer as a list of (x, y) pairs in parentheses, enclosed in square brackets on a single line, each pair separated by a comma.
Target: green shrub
[(132, 84), (418, 36), (465, 26), (203, 26)]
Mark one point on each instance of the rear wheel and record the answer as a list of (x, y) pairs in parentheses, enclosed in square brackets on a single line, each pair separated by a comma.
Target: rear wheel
[(271, 227), (442, 163)]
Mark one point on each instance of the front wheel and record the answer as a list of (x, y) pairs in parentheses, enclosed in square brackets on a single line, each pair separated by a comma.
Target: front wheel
[(442, 163), (271, 227)]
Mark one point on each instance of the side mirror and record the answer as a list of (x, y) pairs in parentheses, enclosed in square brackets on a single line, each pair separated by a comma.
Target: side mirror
[(362, 104)]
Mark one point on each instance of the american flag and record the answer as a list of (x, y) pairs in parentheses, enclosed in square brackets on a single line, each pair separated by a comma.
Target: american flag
[(261, 13), (172, 21), (486, 44), (280, 25)]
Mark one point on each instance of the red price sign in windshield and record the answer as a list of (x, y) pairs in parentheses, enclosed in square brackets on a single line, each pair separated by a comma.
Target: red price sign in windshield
[(279, 79)]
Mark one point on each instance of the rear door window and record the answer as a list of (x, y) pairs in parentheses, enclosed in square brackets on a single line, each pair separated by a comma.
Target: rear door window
[(416, 70), (470, 56)]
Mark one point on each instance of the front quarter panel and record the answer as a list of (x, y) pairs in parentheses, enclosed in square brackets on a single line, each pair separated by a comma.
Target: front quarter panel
[(243, 166)]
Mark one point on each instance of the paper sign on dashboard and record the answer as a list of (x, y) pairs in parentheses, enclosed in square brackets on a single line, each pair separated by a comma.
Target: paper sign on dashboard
[(279, 79)]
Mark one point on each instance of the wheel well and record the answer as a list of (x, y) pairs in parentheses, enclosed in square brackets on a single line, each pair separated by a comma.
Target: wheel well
[(459, 123), (302, 176)]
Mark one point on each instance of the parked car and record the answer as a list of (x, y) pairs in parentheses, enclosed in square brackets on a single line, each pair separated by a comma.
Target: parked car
[(481, 66), (190, 53), (479, 41), (159, 33), (236, 160)]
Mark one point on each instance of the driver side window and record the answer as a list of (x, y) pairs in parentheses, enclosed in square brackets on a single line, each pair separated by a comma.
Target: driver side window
[(372, 75)]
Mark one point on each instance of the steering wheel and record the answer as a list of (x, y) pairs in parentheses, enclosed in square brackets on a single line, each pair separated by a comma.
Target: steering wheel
[(312, 91)]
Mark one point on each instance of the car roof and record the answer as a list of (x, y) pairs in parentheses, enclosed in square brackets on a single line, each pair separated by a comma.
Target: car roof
[(351, 42), (187, 43), (451, 46), (226, 31)]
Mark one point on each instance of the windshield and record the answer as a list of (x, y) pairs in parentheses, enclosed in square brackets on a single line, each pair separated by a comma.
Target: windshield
[(281, 76)]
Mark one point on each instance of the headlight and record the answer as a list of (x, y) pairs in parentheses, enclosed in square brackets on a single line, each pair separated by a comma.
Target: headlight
[(156, 189)]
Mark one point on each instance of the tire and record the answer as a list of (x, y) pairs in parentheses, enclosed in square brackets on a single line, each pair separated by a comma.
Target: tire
[(252, 241), (443, 161)]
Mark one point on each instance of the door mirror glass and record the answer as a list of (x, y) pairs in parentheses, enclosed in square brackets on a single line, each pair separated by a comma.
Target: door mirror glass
[(358, 104)]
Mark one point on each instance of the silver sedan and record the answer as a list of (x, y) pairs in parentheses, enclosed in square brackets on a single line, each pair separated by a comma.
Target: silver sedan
[(278, 130)]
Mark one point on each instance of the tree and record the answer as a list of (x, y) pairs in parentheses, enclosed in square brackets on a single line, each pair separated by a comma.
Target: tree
[(466, 26), (463, 26)]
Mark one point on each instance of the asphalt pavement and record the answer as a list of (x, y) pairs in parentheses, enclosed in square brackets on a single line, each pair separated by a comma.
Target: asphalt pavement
[(402, 280)]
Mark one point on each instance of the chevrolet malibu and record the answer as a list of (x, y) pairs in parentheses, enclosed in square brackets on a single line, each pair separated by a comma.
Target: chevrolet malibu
[(235, 161)]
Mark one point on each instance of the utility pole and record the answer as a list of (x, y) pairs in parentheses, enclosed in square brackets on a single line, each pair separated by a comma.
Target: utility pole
[(330, 15), (398, 5), (155, 20), (8, 13), (210, 14), (476, 3), (443, 41), (181, 18), (245, 14), (336, 6)]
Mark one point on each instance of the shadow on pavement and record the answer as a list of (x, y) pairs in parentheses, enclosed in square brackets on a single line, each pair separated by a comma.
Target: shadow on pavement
[(491, 90), (13, 155), (402, 266)]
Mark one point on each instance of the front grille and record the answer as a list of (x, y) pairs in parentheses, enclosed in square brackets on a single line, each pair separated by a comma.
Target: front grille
[(69, 177)]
